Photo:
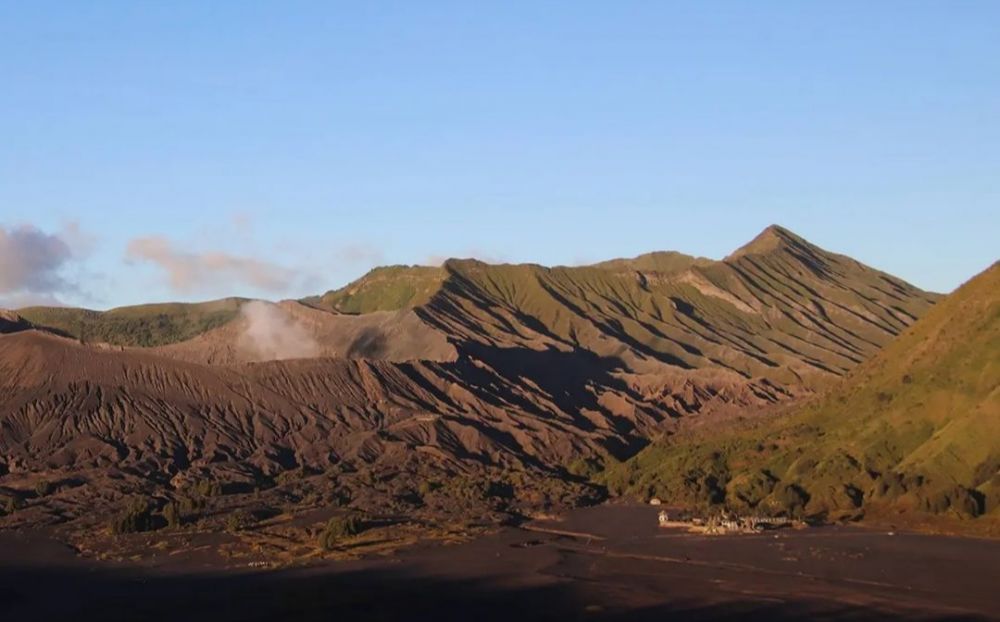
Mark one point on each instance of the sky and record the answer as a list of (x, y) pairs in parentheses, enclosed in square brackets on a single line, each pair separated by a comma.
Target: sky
[(192, 150)]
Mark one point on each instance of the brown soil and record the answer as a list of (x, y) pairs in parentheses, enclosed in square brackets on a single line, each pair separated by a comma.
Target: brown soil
[(615, 565), (382, 335)]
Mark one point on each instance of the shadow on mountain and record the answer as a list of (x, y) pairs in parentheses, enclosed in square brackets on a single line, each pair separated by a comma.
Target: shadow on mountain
[(371, 343), (570, 381), (111, 595)]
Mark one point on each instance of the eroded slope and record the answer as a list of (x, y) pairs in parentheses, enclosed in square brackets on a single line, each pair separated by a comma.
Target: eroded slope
[(913, 430)]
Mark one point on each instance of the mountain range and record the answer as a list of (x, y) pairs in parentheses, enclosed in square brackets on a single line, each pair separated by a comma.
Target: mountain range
[(531, 385)]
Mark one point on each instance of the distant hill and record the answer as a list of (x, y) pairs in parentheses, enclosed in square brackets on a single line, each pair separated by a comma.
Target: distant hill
[(915, 430), (141, 325), (389, 288)]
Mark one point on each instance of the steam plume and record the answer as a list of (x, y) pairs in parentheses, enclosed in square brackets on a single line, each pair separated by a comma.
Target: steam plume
[(272, 333)]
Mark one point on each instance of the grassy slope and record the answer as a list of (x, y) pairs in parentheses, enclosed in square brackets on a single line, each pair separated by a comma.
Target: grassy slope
[(916, 428), (385, 289), (142, 325), (781, 309), (392, 288), (657, 261)]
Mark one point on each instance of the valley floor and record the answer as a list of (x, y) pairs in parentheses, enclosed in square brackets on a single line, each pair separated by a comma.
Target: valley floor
[(604, 563)]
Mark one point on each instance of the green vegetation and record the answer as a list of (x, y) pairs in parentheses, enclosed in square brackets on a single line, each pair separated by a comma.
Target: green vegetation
[(137, 516), (914, 429), (240, 520), (665, 262), (338, 528), (44, 488), (172, 514), (143, 325), (585, 468), (385, 289), (207, 488), (192, 500), (10, 503)]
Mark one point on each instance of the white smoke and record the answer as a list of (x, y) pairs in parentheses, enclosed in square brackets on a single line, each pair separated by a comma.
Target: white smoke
[(273, 334)]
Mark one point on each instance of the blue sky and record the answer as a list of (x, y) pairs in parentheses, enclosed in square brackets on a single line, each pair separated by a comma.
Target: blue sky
[(182, 150)]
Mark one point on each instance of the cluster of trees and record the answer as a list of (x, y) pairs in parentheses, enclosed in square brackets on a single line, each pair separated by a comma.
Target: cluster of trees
[(136, 326)]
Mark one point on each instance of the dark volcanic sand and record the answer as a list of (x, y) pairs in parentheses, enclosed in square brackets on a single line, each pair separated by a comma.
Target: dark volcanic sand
[(636, 571)]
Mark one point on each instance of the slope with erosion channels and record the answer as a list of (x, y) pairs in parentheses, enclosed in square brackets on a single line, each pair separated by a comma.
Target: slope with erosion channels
[(915, 430), (465, 365), (778, 318)]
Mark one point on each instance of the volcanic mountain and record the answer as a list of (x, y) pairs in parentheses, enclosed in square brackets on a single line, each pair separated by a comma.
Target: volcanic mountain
[(914, 429), (459, 368)]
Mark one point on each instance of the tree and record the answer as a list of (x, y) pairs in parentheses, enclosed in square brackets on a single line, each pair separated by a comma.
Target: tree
[(172, 514), (136, 517), (337, 528), (239, 520)]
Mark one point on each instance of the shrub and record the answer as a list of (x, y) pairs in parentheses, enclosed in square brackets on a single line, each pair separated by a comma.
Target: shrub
[(190, 505), (11, 503), (208, 488), (787, 499), (748, 489), (44, 488), (172, 514), (337, 528), (585, 468), (239, 520), (136, 517)]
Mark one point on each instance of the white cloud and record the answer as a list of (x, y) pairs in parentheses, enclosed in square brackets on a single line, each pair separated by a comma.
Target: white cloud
[(188, 271)]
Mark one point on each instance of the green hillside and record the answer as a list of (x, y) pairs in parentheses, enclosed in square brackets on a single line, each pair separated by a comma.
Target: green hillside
[(142, 325), (914, 430), (658, 261), (779, 310), (389, 288)]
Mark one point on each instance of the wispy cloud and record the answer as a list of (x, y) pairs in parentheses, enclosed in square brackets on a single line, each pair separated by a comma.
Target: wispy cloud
[(31, 265), (189, 271)]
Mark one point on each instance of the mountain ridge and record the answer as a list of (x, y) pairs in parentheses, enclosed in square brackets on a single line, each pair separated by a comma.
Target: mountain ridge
[(911, 431), (517, 373)]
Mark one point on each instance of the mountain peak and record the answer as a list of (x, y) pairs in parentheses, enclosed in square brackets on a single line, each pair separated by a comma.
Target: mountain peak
[(773, 238)]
